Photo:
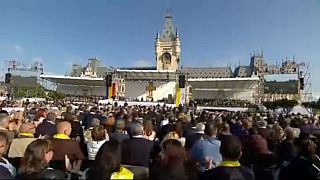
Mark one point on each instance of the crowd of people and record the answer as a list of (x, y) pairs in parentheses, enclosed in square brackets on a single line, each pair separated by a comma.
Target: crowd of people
[(155, 142), (224, 102)]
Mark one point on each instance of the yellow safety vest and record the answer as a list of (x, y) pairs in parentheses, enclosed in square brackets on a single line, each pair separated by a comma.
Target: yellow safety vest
[(123, 173)]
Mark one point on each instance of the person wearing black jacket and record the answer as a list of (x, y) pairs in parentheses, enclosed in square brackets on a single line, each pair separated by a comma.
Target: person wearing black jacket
[(86, 121), (230, 168), (136, 150), (306, 165), (47, 127)]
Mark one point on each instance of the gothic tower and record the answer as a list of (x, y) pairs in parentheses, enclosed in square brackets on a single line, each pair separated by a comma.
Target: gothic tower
[(167, 46)]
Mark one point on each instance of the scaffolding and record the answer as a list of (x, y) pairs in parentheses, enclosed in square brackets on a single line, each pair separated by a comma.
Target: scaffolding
[(306, 88)]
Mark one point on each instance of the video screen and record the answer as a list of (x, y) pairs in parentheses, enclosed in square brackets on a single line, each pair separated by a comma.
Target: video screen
[(281, 84)]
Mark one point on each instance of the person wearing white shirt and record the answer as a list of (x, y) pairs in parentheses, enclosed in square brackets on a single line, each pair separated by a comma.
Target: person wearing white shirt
[(98, 135)]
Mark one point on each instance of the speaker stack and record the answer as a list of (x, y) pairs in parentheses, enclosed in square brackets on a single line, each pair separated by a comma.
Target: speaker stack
[(182, 81), (301, 83), (108, 79), (7, 78)]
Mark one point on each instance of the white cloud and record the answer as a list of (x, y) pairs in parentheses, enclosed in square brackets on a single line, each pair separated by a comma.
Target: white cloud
[(18, 48), (142, 63)]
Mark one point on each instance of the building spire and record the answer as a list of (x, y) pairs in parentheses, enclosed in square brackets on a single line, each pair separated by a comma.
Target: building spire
[(157, 36), (168, 32), (168, 13), (177, 33)]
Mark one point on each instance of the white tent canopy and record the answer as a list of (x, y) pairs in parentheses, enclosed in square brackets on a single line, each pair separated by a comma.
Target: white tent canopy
[(298, 109)]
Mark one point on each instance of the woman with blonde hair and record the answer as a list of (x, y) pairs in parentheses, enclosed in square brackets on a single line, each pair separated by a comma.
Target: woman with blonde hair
[(171, 135)]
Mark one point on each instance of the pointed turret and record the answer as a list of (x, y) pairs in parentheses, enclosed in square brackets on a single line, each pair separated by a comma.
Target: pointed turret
[(157, 35), (177, 33), (167, 46), (168, 33)]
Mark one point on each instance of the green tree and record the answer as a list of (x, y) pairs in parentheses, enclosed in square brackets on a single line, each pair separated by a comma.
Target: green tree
[(286, 104), (37, 91), (270, 105), (55, 96)]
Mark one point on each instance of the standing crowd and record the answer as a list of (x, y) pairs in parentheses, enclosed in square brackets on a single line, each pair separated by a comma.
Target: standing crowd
[(156, 142)]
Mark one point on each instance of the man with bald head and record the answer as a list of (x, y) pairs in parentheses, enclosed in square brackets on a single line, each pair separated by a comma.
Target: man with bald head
[(63, 145), (25, 137)]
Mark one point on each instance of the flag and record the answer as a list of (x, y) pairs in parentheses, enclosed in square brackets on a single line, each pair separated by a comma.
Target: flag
[(107, 93), (112, 91)]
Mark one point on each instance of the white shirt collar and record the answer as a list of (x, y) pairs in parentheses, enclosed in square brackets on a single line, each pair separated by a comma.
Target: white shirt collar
[(138, 136)]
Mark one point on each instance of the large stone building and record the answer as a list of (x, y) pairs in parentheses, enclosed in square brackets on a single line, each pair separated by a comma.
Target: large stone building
[(157, 83), (94, 68)]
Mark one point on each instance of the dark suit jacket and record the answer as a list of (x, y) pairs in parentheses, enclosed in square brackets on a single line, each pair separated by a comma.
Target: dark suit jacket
[(136, 151), (119, 136), (189, 132), (228, 173), (46, 128), (265, 133), (164, 130), (300, 168), (76, 129), (86, 122), (191, 140)]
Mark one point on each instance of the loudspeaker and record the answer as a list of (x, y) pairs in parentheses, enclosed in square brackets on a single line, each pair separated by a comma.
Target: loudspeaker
[(108, 79), (7, 78), (301, 83), (182, 81)]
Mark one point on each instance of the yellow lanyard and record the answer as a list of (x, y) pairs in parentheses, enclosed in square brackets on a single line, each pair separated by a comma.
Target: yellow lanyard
[(230, 164), (61, 136), (26, 135)]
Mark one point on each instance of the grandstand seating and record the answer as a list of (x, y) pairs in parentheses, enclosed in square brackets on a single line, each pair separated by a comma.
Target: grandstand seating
[(224, 88)]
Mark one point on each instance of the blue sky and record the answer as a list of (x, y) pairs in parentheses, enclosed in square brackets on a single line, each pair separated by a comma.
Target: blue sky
[(122, 32)]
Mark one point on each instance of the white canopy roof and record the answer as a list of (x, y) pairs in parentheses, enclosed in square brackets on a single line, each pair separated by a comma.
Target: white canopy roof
[(298, 109), (70, 80)]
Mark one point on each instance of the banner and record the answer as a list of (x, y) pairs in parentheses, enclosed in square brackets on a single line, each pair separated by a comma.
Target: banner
[(178, 96), (182, 95)]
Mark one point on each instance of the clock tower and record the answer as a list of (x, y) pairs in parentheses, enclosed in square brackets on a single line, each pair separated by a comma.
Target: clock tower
[(167, 46)]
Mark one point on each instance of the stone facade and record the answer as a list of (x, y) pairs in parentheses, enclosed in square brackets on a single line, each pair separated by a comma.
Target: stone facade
[(93, 69), (167, 47)]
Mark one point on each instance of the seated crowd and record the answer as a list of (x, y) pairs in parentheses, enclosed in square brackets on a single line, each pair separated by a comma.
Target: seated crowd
[(223, 102), (156, 142)]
